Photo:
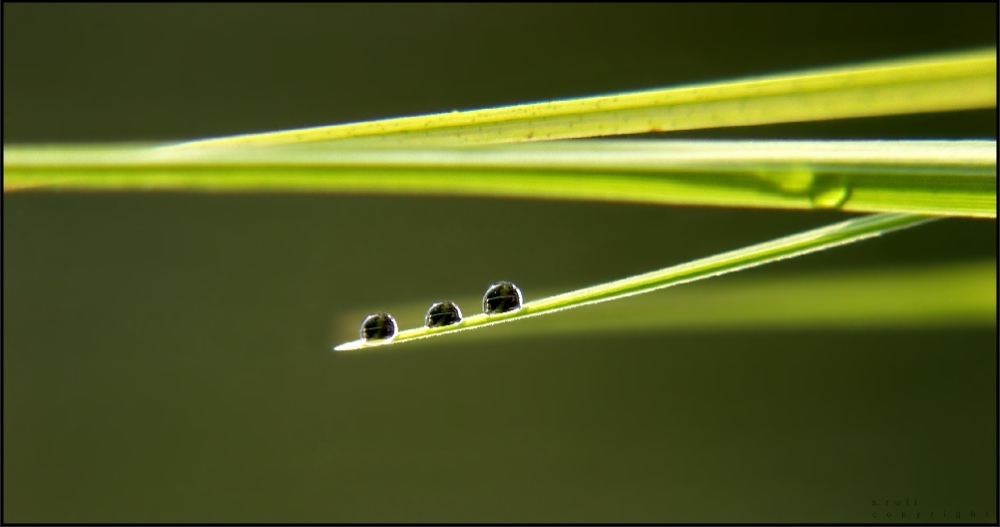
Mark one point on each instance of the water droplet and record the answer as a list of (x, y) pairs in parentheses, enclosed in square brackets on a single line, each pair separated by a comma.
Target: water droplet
[(378, 326), (444, 313), (501, 297), (829, 192), (795, 181)]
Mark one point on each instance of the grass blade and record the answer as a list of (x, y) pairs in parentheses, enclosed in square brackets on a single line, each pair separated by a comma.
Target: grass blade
[(954, 178), (945, 295), (849, 231), (945, 82)]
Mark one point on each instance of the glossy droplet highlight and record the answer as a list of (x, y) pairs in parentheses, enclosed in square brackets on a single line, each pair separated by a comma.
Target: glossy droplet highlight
[(501, 297), (378, 326), (444, 313)]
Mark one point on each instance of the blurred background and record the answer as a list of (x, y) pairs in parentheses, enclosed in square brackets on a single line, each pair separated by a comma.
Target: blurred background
[(166, 356)]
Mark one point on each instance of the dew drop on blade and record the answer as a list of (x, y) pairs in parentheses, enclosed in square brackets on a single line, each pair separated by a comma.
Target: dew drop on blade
[(444, 313), (830, 192), (378, 326), (501, 297)]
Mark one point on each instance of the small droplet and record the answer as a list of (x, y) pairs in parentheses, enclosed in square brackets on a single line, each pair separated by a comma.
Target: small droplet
[(444, 313), (501, 297), (378, 326)]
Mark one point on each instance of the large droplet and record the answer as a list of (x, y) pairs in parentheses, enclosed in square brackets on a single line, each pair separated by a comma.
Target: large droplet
[(830, 192), (795, 181), (501, 297), (378, 326), (444, 313)]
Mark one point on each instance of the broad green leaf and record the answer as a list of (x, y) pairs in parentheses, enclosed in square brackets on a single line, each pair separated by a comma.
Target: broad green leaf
[(945, 82), (842, 233), (955, 178)]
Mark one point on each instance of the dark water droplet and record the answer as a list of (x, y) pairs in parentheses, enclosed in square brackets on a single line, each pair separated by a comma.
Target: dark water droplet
[(378, 326), (444, 313), (501, 297)]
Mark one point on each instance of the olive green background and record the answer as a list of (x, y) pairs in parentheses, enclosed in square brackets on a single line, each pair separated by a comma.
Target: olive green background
[(166, 357)]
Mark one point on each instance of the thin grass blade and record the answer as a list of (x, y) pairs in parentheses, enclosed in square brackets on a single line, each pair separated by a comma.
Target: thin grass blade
[(942, 295), (842, 233), (938, 83), (948, 178)]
